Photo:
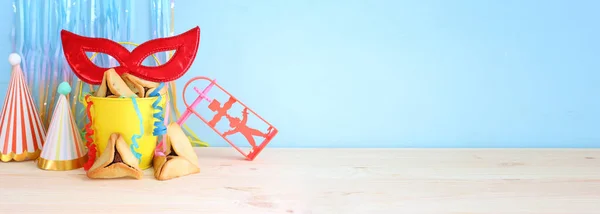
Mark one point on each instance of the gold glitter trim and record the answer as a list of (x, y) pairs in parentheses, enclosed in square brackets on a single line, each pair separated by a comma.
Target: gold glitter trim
[(26, 156), (61, 165)]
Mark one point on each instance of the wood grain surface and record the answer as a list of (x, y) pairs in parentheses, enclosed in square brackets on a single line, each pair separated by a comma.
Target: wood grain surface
[(457, 181)]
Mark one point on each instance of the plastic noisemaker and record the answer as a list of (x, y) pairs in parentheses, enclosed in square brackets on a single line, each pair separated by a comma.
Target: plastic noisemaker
[(237, 125)]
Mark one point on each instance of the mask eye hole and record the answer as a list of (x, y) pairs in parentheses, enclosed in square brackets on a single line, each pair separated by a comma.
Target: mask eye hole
[(102, 60), (151, 60)]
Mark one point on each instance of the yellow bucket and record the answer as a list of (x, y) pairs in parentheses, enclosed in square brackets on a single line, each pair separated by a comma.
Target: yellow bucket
[(118, 115)]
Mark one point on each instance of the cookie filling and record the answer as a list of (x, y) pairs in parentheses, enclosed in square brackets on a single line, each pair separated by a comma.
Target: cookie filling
[(116, 159), (146, 91), (172, 154)]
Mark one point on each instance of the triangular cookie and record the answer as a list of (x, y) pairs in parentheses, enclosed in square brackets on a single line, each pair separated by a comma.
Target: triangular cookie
[(181, 160), (103, 88), (116, 161), (113, 84), (135, 88), (138, 85)]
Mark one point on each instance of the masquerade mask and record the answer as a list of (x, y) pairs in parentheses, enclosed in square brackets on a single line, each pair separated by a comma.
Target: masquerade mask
[(185, 46)]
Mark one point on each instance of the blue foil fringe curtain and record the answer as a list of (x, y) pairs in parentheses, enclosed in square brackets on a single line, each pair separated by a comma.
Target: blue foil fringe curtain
[(36, 37), (161, 22)]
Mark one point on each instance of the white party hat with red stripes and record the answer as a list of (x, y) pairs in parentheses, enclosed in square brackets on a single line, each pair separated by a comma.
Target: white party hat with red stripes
[(63, 149), (22, 134)]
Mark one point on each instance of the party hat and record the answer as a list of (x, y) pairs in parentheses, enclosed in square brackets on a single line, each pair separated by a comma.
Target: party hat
[(22, 134), (63, 149)]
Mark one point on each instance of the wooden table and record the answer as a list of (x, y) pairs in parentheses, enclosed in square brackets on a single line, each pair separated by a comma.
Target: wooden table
[(327, 181)]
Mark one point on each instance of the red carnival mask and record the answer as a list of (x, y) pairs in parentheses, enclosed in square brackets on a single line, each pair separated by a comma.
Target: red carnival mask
[(185, 46)]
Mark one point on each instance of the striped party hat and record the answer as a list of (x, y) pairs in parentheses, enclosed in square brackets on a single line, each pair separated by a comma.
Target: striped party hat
[(64, 149), (22, 134)]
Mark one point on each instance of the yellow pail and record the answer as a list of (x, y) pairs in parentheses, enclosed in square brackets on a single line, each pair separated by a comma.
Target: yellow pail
[(118, 115)]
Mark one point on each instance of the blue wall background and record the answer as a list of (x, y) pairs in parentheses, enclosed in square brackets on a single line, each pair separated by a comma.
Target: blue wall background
[(385, 73)]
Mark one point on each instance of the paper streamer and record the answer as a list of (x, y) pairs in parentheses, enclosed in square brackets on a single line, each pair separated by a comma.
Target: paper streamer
[(134, 143), (159, 126), (89, 141), (161, 148)]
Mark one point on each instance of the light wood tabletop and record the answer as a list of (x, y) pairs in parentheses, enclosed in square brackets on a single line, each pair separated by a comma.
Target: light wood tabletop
[(457, 181)]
